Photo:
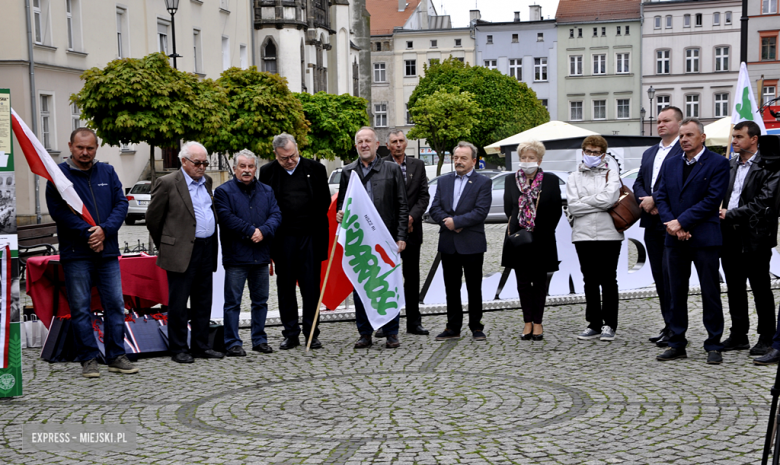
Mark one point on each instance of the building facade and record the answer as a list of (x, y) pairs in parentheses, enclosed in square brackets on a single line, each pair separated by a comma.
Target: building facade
[(763, 60)]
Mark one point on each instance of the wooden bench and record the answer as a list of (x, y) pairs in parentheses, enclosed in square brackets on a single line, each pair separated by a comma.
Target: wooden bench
[(34, 240)]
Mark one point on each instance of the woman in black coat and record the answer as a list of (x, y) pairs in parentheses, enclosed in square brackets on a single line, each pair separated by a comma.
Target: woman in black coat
[(532, 201)]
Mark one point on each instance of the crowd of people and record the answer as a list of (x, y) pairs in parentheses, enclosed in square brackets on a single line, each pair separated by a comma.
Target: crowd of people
[(698, 208)]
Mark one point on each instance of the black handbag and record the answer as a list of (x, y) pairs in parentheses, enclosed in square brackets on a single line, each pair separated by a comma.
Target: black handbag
[(523, 237)]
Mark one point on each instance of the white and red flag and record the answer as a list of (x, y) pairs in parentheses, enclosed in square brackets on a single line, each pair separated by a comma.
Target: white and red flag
[(43, 165), (5, 304)]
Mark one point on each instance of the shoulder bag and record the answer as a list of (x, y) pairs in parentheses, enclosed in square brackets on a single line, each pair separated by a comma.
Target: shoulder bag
[(522, 237), (626, 211)]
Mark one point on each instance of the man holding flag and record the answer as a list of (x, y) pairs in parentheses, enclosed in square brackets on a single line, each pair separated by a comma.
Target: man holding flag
[(372, 249)]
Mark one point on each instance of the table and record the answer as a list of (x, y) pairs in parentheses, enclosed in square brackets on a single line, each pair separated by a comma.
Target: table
[(144, 285)]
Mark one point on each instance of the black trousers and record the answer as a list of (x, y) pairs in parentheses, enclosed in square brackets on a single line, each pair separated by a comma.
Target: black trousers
[(295, 264), (411, 270), (598, 263), (654, 243), (532, 287), (194, 284), (454, 267), (739, 267)]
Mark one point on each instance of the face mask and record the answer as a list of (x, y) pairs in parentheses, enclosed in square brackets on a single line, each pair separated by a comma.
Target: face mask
[(528, 166), (591, 161)]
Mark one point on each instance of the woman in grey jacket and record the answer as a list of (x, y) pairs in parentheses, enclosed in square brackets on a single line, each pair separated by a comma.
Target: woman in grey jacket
[(591, 191)]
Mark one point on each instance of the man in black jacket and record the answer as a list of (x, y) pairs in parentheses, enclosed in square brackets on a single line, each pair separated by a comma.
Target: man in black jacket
[(301, 244), (417, 196), (749, 223), (384, 184)]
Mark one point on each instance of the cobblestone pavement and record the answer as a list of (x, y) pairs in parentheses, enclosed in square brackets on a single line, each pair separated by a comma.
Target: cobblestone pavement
[(558, 401)]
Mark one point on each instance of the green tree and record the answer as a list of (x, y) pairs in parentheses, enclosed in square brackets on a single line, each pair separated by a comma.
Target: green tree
[(508, 106), (134, 100), (260, 106), (444, 118), (334, 120)]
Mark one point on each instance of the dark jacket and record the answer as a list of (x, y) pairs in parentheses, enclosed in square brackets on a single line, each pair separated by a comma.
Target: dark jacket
[(101, 192), (417, 195), (388, 194), (317, 179), (695, 203), (473, 208), (753, 224), (643, 184), (241, 209), (544, 252)]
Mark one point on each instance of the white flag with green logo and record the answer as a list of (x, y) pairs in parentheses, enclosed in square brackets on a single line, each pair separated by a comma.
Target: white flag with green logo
[(371, 260), (745, 107)]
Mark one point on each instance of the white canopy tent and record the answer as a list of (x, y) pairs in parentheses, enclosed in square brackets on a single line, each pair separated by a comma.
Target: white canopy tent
[(718, 132), (552, 130)]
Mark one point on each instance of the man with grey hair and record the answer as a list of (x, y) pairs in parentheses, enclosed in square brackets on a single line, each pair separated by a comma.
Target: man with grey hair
[(248, 219), (182, 222), (301, 243), (460, 207)]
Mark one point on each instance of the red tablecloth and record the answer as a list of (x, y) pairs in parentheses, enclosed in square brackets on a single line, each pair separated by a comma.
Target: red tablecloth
[(143, 282)]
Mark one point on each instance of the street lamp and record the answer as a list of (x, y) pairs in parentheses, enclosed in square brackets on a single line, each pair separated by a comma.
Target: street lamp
[(651, 96), (642, 113), (172, 6)]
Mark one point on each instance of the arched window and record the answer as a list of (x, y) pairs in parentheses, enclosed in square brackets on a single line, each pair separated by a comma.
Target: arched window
[(269, 56)]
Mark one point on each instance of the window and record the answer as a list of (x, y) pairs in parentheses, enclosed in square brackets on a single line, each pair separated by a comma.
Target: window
[(575, 111), (515, 38), (458, 42), (727, 18), (540, 69), (543, 102), (516, 69), (196, 51), (603, 32), (769, 93), (38, 21), (657, 22), (380, 115), (380, 72), (490, 64), (46, 121), (628, 30), (595, 32), (599, 64), (623, 108), (379, 46), (692, 106), (721, 105), (225, 53), (668, 21), (721, 58), (409, 44), (716, 19), (571, 33), (618, 30), (122, 42), (622, 65), (662, 62), (599, 109), (410, 68), (699, 20), (409, 120), (540, 36), (69, 20), (75, 117), (686, 20), (768, 7), (661, 101), (433, 61), (162, 36), (768, 48), (575, 65), (692, 60), (434, 43), (579, 32), (223, 5), (489, 39), (460, 59), (242, 56), (269, 57)]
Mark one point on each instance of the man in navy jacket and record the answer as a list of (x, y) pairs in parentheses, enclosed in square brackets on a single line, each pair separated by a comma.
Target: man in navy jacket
[(89, 254), (646, 191), (248, 218), (689, 197), (460, 206)]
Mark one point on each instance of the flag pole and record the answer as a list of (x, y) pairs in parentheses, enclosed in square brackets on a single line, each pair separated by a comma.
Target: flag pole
[(322, 291)]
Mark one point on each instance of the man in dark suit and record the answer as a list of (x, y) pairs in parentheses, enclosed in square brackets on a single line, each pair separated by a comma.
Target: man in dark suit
[(689, 197), (645, 190), (749, 225), (182, 222), (301, 189), (460, 206), (417, 197)]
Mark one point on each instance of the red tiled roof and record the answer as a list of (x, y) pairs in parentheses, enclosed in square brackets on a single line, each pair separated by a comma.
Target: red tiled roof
[(570, 11), (385, 15)]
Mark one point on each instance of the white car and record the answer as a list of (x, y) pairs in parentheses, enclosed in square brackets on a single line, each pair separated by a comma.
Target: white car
[(138, 201), (334, 180)]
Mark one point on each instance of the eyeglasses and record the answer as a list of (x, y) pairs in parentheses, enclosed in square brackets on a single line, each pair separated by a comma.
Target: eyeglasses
[(592, 153), (197, 163), (286, 159)]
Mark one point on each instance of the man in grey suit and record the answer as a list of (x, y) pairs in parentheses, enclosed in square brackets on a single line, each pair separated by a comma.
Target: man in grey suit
[(460, 206), (182, 222)]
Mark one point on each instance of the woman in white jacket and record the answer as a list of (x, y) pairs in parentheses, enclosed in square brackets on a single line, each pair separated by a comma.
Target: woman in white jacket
[(591, 191)]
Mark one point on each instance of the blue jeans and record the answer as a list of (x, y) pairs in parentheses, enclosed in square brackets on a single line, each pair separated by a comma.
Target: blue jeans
[(103, 273), (235, 278)]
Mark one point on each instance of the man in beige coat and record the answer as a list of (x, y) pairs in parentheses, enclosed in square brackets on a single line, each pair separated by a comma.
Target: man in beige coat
[(183, 222)]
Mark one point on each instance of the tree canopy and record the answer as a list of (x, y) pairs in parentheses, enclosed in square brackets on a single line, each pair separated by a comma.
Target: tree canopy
[(334, 121)]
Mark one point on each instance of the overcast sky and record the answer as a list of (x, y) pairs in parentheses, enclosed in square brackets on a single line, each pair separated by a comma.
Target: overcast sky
[(492, 10)]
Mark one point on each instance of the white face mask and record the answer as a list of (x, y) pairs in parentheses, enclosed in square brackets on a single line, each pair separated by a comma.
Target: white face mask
[(591, 161), (529, 166)]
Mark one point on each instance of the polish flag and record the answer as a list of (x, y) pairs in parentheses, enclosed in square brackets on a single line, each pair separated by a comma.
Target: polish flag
[(42, 164), (338, 287)]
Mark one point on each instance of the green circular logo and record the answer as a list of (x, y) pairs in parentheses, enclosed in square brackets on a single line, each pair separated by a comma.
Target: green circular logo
[(7, 382)]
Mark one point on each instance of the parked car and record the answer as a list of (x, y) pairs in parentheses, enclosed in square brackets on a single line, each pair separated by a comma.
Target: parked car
[(334, 180), (138, 201), (630, 174)]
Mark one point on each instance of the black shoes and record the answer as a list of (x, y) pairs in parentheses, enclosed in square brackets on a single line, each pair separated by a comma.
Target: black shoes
[(526, 337), (392, 341), (770, 358), (672, 354), (478, 336), (183, 357), (380, 333), (732, 343), (236, 351), (208, 353), (447, 334), (417, 329), (263, 347), (761, 348), (661, 335), (714, 357), (664, 341), (315, 344), (538, 337), (364, 342), (289, 343)]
